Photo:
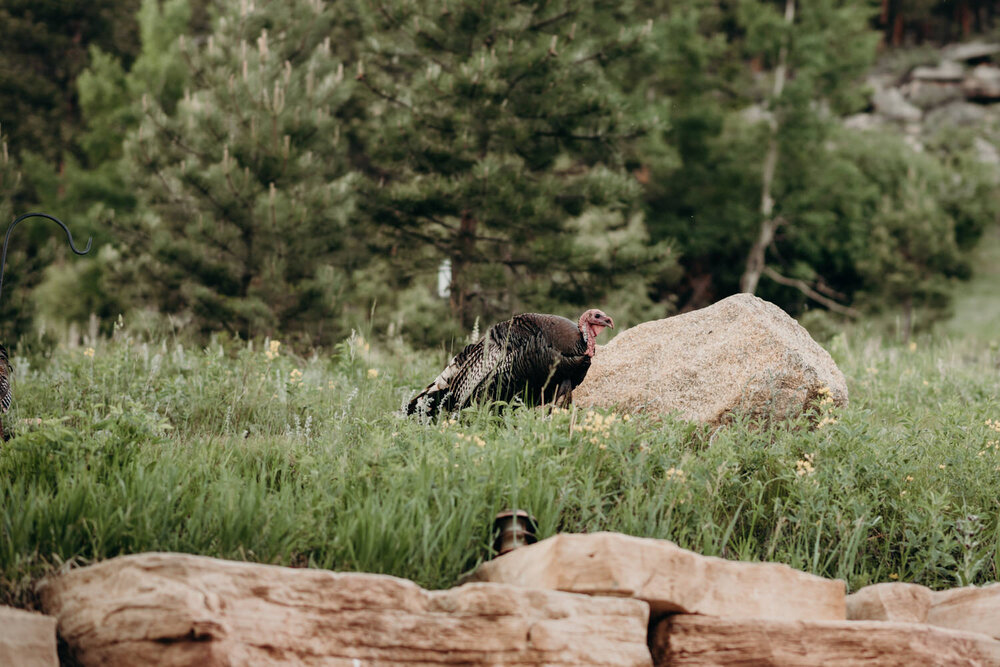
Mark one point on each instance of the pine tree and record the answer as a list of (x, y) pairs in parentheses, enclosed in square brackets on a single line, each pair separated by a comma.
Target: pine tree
[(43, 47), (91, 191), (250, 221), (495, 143)]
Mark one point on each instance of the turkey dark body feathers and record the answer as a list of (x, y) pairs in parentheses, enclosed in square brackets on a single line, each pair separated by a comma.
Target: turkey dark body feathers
[(538, 357), (6, 370)]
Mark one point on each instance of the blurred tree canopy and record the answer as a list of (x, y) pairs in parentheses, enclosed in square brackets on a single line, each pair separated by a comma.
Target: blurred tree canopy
[(304, 168)]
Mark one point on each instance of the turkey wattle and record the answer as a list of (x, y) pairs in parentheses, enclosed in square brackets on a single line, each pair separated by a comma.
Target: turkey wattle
[(541, 358)]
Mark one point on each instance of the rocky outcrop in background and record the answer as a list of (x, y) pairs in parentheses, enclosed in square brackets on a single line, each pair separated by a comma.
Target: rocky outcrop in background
[(961, 90)]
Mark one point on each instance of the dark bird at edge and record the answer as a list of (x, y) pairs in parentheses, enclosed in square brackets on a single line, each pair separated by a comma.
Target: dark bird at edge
[(6, 371)]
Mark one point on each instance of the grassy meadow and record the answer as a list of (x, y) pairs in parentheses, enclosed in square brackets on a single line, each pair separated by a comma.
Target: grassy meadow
[(248, 451)]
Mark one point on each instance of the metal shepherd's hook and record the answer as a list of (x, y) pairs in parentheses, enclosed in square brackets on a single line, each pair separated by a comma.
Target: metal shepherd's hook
[(6, 240)]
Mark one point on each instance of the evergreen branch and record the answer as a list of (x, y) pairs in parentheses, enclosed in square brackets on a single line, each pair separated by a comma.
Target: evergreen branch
[(173, 137), (549, 21), (222, 208), (438, 45), (586, 137), (385, 96), (402, 28)]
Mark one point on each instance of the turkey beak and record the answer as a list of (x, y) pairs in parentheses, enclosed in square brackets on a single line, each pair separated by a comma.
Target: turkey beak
[(611, 323)]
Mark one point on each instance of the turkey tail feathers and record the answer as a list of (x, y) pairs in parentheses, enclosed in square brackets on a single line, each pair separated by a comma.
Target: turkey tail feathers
[(445, 391)]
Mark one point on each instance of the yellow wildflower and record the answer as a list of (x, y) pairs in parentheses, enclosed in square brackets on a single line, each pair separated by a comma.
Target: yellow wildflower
[(909, 478), (89, 352), (295, 377), (373, 373), (894, 576), (913, 346), (676, 474), (804, 466), (941, 466), (826, 420), (272, 349)]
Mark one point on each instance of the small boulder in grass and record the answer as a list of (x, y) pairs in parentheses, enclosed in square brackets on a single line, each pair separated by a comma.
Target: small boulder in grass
[(742, 354)]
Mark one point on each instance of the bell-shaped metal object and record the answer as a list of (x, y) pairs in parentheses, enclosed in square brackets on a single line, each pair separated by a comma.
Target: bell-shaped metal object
[(513, 529)]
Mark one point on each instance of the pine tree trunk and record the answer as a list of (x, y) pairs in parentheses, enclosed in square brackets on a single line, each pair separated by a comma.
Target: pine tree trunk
[(756, 258)]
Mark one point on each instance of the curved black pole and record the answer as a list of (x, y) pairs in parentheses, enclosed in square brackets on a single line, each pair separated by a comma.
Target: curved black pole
[(6, 240)]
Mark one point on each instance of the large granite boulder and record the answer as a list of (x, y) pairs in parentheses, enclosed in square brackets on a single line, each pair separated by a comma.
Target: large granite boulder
[(669, 578), (740, 354), (695, 641), (177, 609), (27, 639)]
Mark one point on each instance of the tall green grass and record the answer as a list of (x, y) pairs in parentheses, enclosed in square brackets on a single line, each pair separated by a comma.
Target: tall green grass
[(237, 452)]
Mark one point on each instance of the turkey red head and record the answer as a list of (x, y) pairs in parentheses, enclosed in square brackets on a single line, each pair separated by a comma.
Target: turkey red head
[(592, 323)]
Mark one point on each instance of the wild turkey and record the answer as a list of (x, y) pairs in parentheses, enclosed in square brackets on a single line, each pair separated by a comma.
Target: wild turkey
[(540, 358)]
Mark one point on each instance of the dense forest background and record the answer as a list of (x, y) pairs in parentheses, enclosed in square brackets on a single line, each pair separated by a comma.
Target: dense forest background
[(301, 168)]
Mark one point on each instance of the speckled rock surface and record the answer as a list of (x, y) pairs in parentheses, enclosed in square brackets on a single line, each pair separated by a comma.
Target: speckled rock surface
[(742, 353)]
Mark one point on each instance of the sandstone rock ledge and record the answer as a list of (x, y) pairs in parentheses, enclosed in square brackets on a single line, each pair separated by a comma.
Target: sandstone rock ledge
[(740, 354), (669, 578), (177, 609), (970, 608), (688, 641), (27, 639)]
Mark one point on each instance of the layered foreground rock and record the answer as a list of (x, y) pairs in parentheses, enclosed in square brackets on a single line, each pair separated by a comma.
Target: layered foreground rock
[(602, 598), (740, 354), (27, 639), (669, 578), (177, 609), (971, 608), (687, 640)]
